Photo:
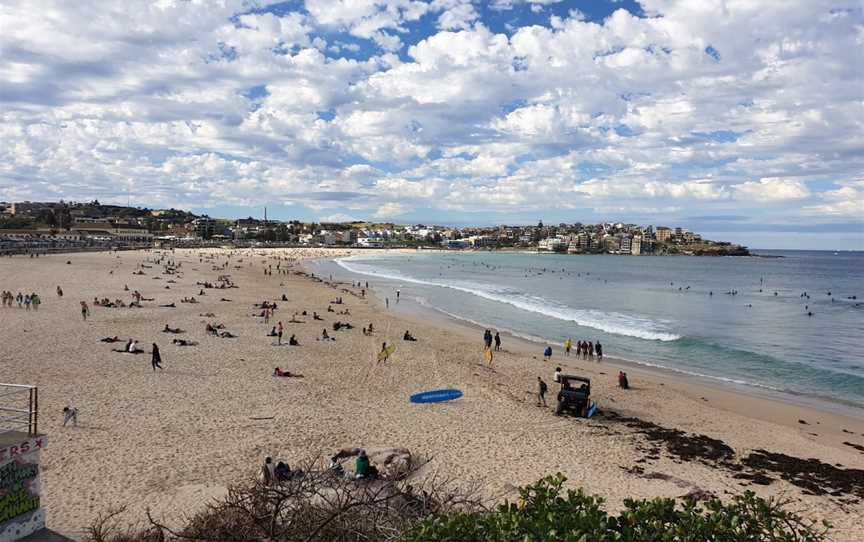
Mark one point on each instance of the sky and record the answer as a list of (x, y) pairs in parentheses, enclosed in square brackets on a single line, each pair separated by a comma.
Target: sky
[(739, 119)]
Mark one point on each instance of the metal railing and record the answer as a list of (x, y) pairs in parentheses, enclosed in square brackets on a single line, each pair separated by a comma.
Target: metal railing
[(19, 408)]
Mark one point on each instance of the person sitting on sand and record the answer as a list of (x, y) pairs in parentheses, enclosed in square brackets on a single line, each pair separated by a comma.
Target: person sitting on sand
[(371, 329), (330, 309), (282, 472), (293, 341), (268, 472), (324, 336), (361, 465), (113, 339), (284, 297), (316, 317), (272, 332), (623, 383), (547, 354), (363, 469), (408, 337)]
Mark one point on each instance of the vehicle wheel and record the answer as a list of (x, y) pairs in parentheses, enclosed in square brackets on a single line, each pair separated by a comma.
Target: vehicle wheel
[(559, 408)]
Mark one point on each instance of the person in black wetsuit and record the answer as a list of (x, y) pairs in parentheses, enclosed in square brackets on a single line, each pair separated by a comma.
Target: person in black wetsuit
[(157, 358)]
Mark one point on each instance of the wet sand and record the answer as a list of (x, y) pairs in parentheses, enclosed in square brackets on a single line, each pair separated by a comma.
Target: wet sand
[(170, 439)]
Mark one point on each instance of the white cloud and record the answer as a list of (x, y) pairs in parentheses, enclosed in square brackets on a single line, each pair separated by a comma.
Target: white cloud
[(179, 104), (391, 210), (772, 189)]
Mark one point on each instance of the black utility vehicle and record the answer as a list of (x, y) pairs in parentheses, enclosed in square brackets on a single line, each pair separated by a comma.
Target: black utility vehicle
[(575, 395)]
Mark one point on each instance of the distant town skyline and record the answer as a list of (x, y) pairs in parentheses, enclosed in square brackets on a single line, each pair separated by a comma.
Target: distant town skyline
[(742, 121)]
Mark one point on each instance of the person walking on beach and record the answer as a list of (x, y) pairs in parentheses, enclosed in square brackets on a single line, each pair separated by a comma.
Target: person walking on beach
[(70, 413), (590, 350), (599, 349), (387, 302), (487, 338), (85, 310), (279, 333), (497, 341), (398, 293), (541, 392), (157, 358)]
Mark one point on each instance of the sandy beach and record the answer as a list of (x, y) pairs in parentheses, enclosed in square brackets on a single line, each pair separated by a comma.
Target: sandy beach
[(168, 440)]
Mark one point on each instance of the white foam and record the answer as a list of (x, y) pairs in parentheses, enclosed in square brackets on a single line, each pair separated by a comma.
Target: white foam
[(610, 322)]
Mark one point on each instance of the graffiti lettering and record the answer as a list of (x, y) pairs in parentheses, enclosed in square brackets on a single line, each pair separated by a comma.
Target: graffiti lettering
[(23, 448), (16, 503), (12, 474)]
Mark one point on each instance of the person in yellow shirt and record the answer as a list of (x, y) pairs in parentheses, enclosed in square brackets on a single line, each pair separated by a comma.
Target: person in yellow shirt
[(568, 344)]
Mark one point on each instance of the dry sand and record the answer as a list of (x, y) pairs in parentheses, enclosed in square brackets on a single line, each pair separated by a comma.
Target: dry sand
[(171, 439)]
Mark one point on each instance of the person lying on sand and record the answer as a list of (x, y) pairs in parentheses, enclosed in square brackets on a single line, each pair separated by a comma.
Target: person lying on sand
[(223, 299), (339, 325), (227, 335), (184, 342), (169, 306), (173, 330), (113, 339), (286, 374), (408, 337), (207, 315)]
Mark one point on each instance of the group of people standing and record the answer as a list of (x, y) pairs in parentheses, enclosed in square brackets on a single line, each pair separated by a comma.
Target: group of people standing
[(488, 339), (24, 301), (586, 349)]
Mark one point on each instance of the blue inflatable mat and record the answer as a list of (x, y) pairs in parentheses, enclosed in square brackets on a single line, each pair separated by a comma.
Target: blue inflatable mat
[(436, 396)]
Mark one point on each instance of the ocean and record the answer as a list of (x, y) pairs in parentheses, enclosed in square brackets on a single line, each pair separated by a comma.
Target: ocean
[(737, 321)]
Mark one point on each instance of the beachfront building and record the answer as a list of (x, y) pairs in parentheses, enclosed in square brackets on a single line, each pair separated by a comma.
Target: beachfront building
[(624, 243), (126, 233), (204, 227), (636, 245), (370, 242), (663, 234), (455, 244), (552, 244), (482, 241)]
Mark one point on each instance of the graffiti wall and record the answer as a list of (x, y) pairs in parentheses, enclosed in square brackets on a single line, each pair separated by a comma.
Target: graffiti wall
[(20, 511)]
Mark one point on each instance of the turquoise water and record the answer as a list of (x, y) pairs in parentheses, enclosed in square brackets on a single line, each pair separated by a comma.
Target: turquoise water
[(671, 312)]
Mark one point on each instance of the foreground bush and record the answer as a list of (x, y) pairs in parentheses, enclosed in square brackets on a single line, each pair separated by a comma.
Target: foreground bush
[(323, 507), (546, 513)]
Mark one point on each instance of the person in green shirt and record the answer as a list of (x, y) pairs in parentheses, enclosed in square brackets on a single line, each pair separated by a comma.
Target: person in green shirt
[(361, 466)]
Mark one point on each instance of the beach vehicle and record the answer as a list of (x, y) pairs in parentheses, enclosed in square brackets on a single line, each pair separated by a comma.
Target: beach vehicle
[(574, 396)]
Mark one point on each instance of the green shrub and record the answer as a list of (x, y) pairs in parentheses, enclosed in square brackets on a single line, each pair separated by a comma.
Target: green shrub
[(546, 513)]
